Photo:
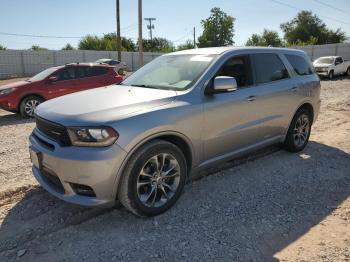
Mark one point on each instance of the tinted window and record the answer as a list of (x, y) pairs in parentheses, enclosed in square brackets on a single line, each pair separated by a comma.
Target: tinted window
[(239, 68), (339, 60), (269, 67), (66, 74), (95, 71), (300, 65)]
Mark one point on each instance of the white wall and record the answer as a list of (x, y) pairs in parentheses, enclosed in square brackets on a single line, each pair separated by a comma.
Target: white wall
[(27, 63)]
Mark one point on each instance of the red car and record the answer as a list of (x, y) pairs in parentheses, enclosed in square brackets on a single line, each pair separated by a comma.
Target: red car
[(24, 96)]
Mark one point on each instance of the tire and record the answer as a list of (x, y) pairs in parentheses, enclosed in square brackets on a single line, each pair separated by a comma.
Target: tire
[(121, 71), (28, 106), (348, 71), (144, 193), (331, 75), (292, 144)]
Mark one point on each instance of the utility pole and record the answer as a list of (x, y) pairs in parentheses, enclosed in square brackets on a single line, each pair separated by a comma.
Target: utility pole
[(194, 37), (140, 35), (150, 26), (119, 42)]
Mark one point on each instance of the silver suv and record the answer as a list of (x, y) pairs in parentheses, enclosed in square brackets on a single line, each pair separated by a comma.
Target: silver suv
[(139, 141)]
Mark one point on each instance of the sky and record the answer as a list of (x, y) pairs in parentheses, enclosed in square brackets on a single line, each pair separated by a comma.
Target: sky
[(174, 19)]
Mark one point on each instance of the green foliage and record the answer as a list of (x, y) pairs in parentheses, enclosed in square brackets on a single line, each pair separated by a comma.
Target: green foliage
[(68, 47), (38, 48), (267, 38), (2, 47), (158, 44), (307, 28), (106, 43), (218, 29), (187, 45)]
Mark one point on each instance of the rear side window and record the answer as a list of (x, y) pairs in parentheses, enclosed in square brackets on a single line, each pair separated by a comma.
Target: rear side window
[(66, 74), (300, 65), (95, 71), (268, 68)]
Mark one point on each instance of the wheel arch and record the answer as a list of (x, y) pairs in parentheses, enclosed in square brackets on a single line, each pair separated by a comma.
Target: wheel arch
[(176, 138), (28, 95)]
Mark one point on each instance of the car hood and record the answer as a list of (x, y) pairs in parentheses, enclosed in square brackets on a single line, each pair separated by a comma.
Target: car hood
[(103, 105), (14, 84), (321, 65)]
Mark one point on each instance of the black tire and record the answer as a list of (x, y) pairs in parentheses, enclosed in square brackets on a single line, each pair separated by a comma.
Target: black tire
[(121, 71), (348, 71), (23, 110), (290, 143), (128, 192), (331, 75)]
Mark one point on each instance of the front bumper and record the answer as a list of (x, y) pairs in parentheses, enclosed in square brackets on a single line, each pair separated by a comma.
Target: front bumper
[(58, 169)]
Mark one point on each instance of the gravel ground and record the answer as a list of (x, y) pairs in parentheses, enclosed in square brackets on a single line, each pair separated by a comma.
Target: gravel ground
[(275, 206)]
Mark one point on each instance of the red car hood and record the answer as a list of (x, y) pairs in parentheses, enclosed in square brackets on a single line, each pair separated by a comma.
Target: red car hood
[(14, 84)]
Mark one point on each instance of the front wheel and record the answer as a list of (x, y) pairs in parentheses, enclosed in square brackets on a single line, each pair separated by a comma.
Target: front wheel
[(331, 75), (28, 106), (299, 131), (153, 178)]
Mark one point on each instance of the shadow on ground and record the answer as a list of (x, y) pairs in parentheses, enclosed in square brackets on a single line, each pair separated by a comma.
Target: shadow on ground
[(7, 119), (246, 212)]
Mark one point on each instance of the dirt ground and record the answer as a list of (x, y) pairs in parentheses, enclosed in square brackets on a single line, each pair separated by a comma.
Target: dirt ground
[(276, 206)]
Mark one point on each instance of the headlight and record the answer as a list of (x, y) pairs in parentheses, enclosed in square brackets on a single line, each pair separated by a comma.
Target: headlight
[(7, 91), (92, 136)]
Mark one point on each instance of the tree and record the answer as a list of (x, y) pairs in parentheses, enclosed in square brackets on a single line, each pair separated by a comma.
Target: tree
[(187, 45), (2, 47), (307, 28), (68, 47), (158, 44), (267, 38), (38, 48), (217, 29), (106, 43)]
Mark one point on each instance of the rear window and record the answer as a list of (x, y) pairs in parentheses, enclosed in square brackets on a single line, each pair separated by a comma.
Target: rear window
[(95, 71), (300, 65), (268, 68)]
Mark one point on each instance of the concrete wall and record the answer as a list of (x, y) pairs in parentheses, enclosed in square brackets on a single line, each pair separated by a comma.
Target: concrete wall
[(27, 63), (15, 63)]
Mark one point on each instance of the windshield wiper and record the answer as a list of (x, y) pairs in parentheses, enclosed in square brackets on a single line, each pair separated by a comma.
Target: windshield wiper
[(145, 86)]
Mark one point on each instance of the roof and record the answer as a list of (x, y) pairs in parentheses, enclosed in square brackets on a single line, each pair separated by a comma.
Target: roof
[(223, 49)]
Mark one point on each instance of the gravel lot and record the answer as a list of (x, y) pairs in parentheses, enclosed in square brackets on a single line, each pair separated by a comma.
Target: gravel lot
[(275, 206)]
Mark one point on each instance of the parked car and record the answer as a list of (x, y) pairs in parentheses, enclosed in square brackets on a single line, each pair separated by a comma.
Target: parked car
[(330, 66), (120, 66), (24, 96), (139, 141)]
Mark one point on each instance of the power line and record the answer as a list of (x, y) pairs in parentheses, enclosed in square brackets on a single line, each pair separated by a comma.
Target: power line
[(297, 8), (331, 6)]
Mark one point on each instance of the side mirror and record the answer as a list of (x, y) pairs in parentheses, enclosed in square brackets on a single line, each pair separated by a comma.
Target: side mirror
[(224, 84), (53, 78)]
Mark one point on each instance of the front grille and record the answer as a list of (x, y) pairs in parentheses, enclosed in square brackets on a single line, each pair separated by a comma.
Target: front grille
[(54, 131)]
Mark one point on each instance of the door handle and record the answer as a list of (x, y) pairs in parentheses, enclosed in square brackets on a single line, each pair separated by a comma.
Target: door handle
[(251, 98), (294, 89)]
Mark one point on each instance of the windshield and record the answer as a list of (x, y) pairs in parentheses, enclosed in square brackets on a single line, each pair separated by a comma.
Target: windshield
[(325, 60), (42, 75), (174, 72)]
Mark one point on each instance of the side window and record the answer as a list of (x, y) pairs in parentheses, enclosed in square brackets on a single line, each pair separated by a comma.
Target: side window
[(299, 64), (339, 60), (96, 71), (238, 67), (268, 68), (81, 72), (66, 74)]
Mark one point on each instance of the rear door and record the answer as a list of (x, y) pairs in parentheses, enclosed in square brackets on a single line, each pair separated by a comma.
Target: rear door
[(339, 66), (66, 82)]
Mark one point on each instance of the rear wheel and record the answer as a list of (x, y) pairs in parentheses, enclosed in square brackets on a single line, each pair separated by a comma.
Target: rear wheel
[(28, 106), (299, 131), (348, 71), (153, 178)]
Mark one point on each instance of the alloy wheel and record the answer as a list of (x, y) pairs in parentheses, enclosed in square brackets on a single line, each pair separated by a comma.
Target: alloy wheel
[(30, 106), (301, 130), (158, 180)]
